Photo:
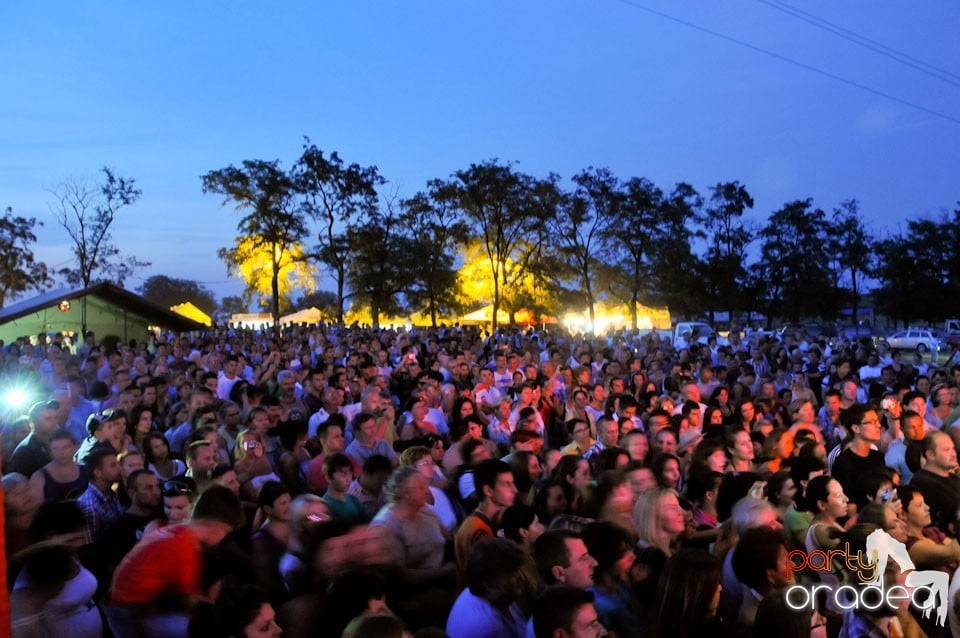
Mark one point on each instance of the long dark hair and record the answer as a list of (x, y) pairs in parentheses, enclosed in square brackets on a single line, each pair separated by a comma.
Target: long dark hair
[(817, 490), (688, 585)]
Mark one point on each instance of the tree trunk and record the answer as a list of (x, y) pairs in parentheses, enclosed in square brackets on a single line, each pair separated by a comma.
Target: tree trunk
[(496, 302), (340, 279), (590, 301), (275, 289), (855, 295)]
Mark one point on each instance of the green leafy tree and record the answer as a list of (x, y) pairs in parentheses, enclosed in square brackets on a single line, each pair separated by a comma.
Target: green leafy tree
[(728, 235), (917, 270), (498, 204), (853, 249), (323, 300), (650, 247), (272, 226), (674, 277), (633, 242), (19, 270), (381, 251), (898, 271), (793, 272), (438, 233), (335, 194), (169, 291), (579, 227), (546, 278), (87, 214)]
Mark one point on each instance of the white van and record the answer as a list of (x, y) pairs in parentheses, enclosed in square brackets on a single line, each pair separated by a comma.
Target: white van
[(687, 333)]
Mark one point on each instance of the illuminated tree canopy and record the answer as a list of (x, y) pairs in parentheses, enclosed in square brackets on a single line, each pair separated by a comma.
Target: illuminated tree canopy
[(252, 260)]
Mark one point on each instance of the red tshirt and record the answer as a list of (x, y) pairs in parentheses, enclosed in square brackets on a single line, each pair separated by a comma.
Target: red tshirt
[(169, 562)]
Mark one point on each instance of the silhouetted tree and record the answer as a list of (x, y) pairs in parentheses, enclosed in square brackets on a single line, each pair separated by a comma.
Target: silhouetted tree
[(272, 225), (497, 203), (580, 225), (438, 231), (728, 235), (168, 291), (335, 194), (793, 273), (853, 250), (87, 213), (19, 270)]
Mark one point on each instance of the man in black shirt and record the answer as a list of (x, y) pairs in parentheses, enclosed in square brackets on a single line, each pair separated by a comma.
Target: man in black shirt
[(118, 539), (34, 451), (861, 455), (938, 481)]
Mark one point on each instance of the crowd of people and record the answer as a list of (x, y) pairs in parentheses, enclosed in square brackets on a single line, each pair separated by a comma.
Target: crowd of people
[(328, 481)]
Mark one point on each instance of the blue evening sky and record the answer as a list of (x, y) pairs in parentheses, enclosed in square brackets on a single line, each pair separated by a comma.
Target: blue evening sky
[(167, 91)]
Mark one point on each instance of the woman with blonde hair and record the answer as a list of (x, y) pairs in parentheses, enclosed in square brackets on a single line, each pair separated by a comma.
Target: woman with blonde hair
[(658, 519), (252, 466)]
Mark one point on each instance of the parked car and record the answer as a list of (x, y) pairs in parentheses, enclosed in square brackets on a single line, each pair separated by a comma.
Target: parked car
[(692, 332), (951, 329), (919, 339)]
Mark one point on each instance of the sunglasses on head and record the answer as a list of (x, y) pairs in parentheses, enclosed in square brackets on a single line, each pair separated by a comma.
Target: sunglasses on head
[(176, 488)]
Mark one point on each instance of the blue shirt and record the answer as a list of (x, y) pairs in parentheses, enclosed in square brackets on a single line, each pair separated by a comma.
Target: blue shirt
[(100, 509), (474, 617)]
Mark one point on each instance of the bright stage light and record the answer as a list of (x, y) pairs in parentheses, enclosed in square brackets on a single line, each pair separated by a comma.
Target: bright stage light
[(15, 398)]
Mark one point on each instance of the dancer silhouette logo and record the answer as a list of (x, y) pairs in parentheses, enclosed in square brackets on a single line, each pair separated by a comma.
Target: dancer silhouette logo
[(926, 590)]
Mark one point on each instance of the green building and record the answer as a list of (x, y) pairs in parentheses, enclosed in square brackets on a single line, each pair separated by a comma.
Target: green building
[(104, 308)]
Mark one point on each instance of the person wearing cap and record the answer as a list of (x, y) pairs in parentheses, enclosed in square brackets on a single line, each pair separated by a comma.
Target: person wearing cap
[(33, 452), (106, 427)]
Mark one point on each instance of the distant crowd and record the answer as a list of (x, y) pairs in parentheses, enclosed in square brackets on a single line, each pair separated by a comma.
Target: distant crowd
[(328, 481)]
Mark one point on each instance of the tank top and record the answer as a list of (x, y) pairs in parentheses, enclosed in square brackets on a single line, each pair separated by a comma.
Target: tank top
[(55, 491), (829, 578)]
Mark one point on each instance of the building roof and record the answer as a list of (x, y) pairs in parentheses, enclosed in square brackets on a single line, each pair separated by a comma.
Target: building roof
[(110, 293)]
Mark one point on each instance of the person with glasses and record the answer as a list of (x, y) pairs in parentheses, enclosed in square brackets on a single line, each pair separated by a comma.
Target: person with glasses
[(577, 409), (581, 441), (421, 458), (566, 612), (861, 455)]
